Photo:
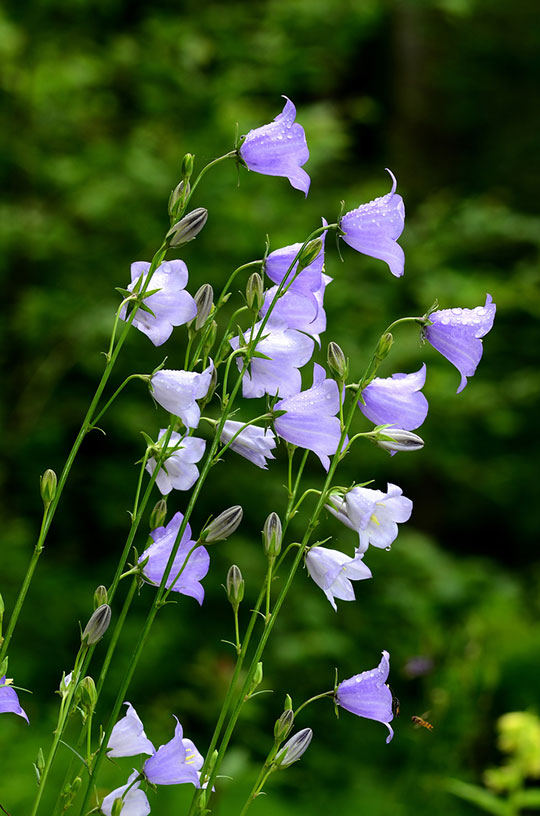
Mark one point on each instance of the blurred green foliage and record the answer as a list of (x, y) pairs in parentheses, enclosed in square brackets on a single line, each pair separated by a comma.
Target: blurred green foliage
[(101, 100)]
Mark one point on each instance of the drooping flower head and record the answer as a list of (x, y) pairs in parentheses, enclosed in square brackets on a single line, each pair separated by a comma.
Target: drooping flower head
[(135, 802), (333, 572), (367, 695), (303, 311), (178, 471), (175, 762), (457, 333), (374, 228), (158, 554), (279, 149), (178, 392), (373, 514), (396, 400), (279, 262), (9, 702), (253, 443), (310, 421), (172, 305), (128, 737)]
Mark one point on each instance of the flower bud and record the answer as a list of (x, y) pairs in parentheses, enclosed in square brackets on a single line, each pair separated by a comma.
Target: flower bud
[(97, 625), (337, 361), (207, 347), (283, 725), (48, 487), (256, 680), (3, 664), (158, 514), (294, 748), (384, 345), (118, 807), (223, 526), (235, 586), (188, 227), (272, 535), (177, 198), (255, 292), (89, 696), (395, 439), (100, 596), (187, 165), (40, 762), (204, 298), (309, 253), (288, 703), (2, 609)]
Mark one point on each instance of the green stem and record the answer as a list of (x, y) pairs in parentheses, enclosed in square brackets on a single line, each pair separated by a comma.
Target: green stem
[(312, 699), (232, 154), (112, 399)]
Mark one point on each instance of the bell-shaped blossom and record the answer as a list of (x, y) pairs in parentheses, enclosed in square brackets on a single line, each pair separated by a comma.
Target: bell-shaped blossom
[(333, 572), (288, 351), (279, 149), (279, 262), (158, 554), (310, 421), (135, 802), (368, 695), (128, 737), (178, 392), (374, 228), (373, 514), (171, 306), (457, 334), (9, 701), (396, 400), (174, 763), (178, 471), (253, 443), (299, 310)]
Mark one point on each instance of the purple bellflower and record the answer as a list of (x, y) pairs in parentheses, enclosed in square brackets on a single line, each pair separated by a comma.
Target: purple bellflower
[(178, 471), (178, 392), (174, 763), (374, 228), (396, 400), (288, 350), (373, 514), (172, 305), (158, 554), (457, 333), (368, 695), (253, 443), (303, 311), (135, 800), (9, 702), (279, 261), (310, 421), (128, 737), (279, 149), (333, 572)]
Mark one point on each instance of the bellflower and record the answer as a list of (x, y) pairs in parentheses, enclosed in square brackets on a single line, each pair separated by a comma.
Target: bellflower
[(178, 391), (135, 800), (288, 350), (253, 443), (367, 695), (178, 471), (396, 400), (175, 762), (373, 514), (9, 702), (278, 263), (373, 229), (128, 737), (158, 554), (310, 421), (333, 572), (172, 305), (457, 334), (279, 149), (299, 310)]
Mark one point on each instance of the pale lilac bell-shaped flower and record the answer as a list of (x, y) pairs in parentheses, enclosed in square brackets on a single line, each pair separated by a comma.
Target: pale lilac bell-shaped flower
[(135, 802), (172, 305), (299, 310), (178, 392), (178, 471), (367, 695), (333, 572), (279, 149), (9, 701), (373, 514), (457, 333), (174, 763), (158, 554), (373, 229), (253, 443), (310, 420), (279, 262), (128, 737), (396, 400)]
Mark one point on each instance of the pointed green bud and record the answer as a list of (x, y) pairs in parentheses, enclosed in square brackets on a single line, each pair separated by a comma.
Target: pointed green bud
[(337, 361), (309, 253), (100, 596), (283, 725), (272, 535), (207, 347), (88, 697), (256, 680), (97, 625), (223, 526), (187, 228), (2, 609), (187, 165), (293, 749), (204, 300), (40, 761), (177, 198), (235, 586), (383, 348), (118, 807), (48, 487), (158, 514), (255, 292), (288, 703), (3, 664)]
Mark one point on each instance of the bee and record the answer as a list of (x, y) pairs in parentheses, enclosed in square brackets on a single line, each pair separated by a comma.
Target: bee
[(421, 723)]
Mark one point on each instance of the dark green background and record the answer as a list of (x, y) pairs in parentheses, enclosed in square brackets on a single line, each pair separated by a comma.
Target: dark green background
[(100, 102)]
